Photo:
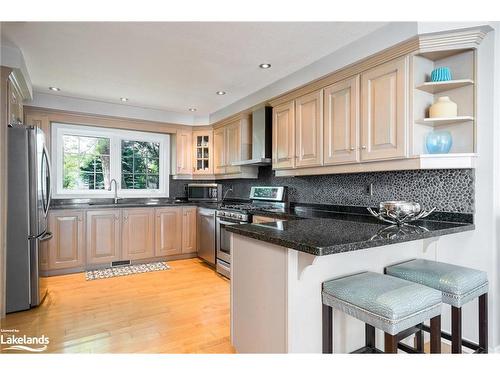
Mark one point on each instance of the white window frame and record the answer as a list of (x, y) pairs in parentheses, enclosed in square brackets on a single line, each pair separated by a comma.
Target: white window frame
[(116, 136)]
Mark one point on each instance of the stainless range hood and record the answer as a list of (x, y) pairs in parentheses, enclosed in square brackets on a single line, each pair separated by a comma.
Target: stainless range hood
[(261, 138)]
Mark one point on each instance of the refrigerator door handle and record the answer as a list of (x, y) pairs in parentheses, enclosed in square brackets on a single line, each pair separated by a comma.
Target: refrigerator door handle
[(48, 193), (46, 236)]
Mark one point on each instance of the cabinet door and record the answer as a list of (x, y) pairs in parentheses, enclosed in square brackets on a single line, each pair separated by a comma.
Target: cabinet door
[(219, 151), (103, 236), (184, 152), (233, 146), (384, 107), (168, 231), (65, 248), (308, 130), (341, 122), (15, 105), (189, 230), (202, 146), (284, 136), (138, 233)]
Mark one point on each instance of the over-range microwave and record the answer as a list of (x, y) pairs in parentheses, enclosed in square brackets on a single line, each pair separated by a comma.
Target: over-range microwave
[(204, 192)]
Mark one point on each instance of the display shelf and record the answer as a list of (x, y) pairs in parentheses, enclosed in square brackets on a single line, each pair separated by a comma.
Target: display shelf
[(436, 87), (444, 120)]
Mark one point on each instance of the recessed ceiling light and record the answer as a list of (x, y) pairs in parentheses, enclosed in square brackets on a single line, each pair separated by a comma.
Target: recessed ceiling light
[(192, 109), (124, 99), (264, 66), (54, 88), (221, 93)]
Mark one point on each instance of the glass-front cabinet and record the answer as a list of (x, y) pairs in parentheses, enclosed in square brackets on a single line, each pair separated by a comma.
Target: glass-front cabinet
[(202, 146)]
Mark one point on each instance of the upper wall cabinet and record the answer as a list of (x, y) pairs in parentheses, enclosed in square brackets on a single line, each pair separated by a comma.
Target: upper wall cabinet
[(284, 136), (216, 153), (202, 147), (309, 130), (219, 151), (341, 122), (184, 147), (384, 111)]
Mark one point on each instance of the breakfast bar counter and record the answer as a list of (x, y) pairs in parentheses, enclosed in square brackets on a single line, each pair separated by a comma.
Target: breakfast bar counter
[(277, 270)]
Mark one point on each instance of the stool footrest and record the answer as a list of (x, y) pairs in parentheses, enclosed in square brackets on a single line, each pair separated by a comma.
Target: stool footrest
[(408, 349), (468, 344), (367, 350)]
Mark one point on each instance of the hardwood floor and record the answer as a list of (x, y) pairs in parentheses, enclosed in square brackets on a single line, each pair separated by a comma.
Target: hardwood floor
[(182, 310)]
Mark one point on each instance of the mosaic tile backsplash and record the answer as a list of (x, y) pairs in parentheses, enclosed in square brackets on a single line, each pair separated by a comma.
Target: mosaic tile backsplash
[(449, 190)]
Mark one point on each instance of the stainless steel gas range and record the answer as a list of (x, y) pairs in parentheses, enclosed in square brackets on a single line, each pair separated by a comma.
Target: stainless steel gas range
[(270, 198)]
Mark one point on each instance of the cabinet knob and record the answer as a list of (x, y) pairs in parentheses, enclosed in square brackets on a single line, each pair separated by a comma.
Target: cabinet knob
[(352, 148), (363, 147)]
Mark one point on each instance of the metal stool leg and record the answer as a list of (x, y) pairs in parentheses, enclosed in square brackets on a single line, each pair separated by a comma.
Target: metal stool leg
[(483, 323), (456, 330), (436, 335), (327, 329), (390, 343)]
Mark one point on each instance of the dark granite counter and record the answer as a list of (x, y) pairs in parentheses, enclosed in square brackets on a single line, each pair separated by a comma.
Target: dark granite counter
[(99, 203), (343, 232)]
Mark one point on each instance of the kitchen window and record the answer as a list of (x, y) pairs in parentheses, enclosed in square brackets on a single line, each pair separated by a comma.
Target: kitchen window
[(88, 158)]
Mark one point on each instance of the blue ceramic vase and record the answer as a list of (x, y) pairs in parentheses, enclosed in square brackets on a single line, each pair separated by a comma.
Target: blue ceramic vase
[(441, 74), (438, 142)]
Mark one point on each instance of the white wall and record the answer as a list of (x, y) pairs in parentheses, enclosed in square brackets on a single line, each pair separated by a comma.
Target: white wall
[(113, 109)]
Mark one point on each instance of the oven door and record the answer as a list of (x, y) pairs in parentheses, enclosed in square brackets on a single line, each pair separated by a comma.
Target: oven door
[(224, 238)]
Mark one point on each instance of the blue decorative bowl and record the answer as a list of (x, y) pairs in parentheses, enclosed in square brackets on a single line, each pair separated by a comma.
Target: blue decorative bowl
[(438, 142), (441, 74)]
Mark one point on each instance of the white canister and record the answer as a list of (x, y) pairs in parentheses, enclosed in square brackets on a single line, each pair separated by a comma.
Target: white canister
[(443, 107)]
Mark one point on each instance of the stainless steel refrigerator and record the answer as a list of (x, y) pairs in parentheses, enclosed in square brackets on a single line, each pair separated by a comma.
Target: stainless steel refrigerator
[(29, 193)]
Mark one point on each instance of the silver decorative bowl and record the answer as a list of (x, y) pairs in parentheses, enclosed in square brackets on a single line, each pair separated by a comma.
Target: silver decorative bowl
[(400, 212)]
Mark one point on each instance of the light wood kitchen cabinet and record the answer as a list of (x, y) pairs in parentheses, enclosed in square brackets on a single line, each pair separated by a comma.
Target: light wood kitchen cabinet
[(232, 143), (168, 232), (184, 151), (309, 130), (284, 136), (15, 104), (202, 148), (103, 236), (384, 111), (219, 151), (341, 122), (66, 248), (233, 146), (138, 233), (189, 230)]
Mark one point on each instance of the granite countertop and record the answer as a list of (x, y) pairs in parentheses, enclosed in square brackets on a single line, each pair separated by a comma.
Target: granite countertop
[(83, 204), (343, 232)]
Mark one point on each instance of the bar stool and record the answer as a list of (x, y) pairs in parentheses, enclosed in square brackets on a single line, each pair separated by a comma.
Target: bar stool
[(393, 305), (458, 285)]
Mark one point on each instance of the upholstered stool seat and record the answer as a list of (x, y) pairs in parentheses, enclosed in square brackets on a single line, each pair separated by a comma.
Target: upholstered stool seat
[(381, 301), (458, 286)]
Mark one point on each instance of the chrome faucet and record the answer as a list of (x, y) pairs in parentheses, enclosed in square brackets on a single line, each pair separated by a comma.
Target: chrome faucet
[(116, 189), (229, 189)]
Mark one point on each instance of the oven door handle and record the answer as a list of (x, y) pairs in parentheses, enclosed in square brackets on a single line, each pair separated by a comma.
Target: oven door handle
[(229, 222)]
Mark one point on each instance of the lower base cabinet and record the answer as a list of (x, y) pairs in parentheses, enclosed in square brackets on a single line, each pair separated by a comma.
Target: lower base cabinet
[(168, 234), (100, 236), (65, 249), (103, 236), (189, 219), (138, 227)]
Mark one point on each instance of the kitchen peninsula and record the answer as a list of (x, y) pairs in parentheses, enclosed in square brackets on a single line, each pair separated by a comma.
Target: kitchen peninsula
[(278, 268)]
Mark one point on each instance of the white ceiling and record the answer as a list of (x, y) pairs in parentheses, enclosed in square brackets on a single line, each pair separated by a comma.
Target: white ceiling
[(172, 66)]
